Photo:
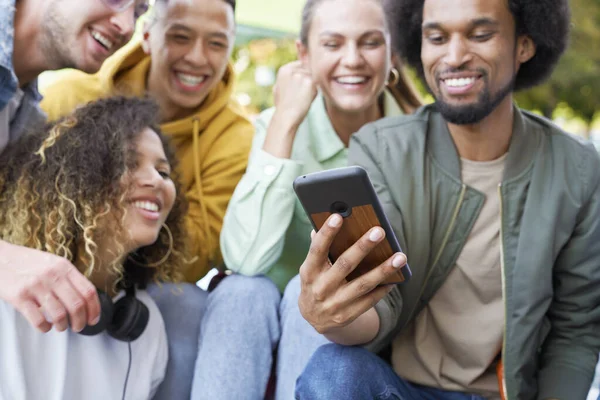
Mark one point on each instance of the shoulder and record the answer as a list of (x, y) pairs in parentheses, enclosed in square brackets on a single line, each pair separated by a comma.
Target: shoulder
[(579, 158), (398, 132), (67, 90)]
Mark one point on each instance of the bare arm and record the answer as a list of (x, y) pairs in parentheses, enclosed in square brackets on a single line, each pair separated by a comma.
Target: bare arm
[(37, 283)]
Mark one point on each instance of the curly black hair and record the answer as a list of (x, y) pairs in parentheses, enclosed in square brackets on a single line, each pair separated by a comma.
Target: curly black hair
[(61, 187), (546, 22)]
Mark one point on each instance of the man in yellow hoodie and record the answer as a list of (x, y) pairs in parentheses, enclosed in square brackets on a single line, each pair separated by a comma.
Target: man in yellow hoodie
[(182, 62)]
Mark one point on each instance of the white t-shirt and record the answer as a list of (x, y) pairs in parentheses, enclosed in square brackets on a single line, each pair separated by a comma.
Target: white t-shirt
[(70, 366)]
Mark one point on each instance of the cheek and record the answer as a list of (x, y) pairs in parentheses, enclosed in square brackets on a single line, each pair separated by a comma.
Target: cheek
[(170, 194), (379, 63), (321, 67)]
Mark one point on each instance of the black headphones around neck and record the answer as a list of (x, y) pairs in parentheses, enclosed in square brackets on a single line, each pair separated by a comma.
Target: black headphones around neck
[(124, 320)]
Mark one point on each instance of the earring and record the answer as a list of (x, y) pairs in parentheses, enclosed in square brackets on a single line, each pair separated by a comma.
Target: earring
[(395, 77), (162, 260)]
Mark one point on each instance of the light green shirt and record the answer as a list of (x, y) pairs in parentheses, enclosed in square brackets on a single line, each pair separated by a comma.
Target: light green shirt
[(265, 230)]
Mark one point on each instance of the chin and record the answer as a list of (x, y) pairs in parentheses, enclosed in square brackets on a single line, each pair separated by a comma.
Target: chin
[(353, 106)]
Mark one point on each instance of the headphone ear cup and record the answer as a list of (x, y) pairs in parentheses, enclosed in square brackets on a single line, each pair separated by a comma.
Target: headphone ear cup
[(106, 315), (130, 318)]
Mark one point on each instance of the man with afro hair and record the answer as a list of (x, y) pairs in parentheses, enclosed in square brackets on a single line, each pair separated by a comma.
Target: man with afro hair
[(497, 211)]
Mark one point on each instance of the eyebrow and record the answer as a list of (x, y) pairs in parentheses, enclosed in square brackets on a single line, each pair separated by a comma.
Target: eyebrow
[(332, 33), (181, 27), (163, 161), (473, 24)]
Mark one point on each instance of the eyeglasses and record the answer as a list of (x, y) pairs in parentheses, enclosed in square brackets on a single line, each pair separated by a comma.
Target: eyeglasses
[(141, 6)]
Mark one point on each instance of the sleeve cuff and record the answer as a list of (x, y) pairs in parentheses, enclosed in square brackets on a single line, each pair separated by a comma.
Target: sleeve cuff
[(387, 323), (270, 170), (563, 383)]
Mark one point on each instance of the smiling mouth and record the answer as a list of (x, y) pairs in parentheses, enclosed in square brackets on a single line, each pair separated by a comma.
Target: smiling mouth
[(459, 82), (102, 40), (147, 206), (190, 80), (351, 80)]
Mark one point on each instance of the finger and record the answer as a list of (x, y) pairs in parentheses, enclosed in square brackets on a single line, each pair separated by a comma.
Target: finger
[(318, 254), (370, 281), (349, 260), (53, 309), (361, 305), (88, 292), (32, 313), (73, 302)]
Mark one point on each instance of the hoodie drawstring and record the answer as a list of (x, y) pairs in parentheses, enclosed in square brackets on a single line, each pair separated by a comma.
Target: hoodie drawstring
[(196, 134)]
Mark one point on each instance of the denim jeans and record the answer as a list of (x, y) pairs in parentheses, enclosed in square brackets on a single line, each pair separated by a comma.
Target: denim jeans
[(221, 344), (298, 342), (238, 335), (343, 372)]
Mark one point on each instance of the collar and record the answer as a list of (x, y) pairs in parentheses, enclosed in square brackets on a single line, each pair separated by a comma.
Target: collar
[(523, 142), (325, 141)]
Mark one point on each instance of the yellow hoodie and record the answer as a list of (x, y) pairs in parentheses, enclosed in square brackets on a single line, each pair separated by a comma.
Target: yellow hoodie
[(212, 145)]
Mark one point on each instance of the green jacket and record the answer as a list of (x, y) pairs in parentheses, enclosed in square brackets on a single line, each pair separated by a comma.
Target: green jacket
[(550, 230)]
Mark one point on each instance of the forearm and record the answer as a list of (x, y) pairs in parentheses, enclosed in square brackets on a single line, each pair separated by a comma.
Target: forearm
[(360, 331), (254, 230), (280, 136)]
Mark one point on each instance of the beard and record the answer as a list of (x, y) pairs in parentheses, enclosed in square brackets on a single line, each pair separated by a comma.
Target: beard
[(473, 113), (54, 42)]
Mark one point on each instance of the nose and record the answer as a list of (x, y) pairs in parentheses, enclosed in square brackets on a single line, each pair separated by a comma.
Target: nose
[(458, 52), (148, 177), (352, 56), (124, 22), (197, 55)]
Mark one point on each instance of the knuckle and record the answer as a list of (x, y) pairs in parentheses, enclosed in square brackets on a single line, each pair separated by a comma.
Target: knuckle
[(364, 245), (89, 293), (344, 265), (315, 249), (319, 295), (339, 319), (364, 286), (77, 307), (58, 315)]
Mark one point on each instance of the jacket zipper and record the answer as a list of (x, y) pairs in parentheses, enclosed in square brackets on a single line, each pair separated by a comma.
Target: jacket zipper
[(503, 291), (442, 247)]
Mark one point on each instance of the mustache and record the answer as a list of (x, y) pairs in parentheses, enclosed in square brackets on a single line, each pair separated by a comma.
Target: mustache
[(452, 70)]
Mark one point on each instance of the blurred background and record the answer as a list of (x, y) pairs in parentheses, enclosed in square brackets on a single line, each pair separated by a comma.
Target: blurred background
[(267, 30)]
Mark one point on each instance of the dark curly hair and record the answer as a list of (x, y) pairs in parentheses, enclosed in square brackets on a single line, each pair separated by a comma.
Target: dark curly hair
[(61, 188), (546, 22)]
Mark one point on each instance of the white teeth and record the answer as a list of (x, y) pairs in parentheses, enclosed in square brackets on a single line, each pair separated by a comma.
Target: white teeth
[(102, 39), (190, 80), (146, 205), (459, 82), (351, 79)]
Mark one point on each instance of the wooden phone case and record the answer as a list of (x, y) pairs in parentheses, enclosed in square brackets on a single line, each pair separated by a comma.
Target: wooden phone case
[(321, 193)]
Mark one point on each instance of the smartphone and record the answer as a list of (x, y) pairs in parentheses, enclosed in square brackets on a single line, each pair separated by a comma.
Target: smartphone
[(349, 192)]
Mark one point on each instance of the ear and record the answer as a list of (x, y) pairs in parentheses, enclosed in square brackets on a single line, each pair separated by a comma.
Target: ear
[(302, 53), (525, 49), (146, 37)]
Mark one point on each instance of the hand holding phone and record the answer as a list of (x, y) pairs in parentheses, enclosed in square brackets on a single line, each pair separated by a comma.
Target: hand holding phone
[(348, 192), (331, 303), (354, 258)]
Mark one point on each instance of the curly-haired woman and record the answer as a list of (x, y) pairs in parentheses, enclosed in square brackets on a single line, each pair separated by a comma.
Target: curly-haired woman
[(95, 188)]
